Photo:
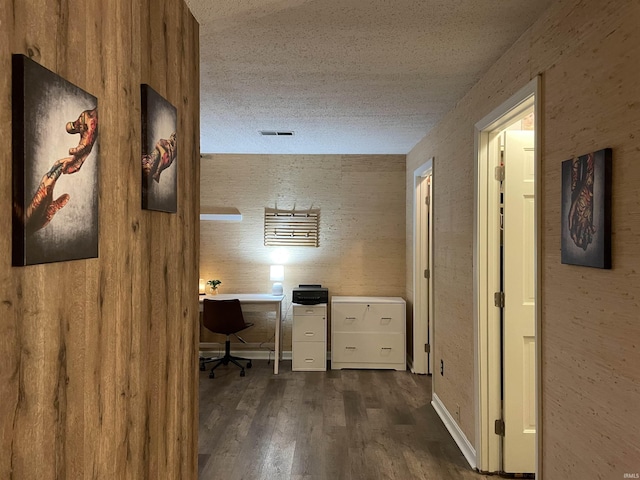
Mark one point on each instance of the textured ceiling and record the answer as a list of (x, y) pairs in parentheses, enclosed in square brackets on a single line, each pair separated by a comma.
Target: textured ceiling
[(347, 76)]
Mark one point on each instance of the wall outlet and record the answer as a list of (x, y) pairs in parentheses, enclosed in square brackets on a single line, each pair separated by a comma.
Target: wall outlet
[(442, 367), (457, 414)]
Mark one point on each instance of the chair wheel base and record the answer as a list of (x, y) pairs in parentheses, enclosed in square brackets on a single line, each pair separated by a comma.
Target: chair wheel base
[(212, 375), (242, 373), (249, 364)]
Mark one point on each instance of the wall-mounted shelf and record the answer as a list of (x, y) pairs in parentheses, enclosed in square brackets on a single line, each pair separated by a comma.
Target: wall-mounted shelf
[(221, 214)]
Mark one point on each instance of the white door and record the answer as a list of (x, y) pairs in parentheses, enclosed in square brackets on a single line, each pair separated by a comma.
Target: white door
[(519, 350), (422, 298), (427, 293)]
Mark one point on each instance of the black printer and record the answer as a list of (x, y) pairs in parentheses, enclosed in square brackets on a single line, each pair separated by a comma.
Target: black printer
[(310, 294)]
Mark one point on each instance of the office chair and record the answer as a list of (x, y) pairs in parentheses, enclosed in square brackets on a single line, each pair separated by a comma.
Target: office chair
[(224, 317)]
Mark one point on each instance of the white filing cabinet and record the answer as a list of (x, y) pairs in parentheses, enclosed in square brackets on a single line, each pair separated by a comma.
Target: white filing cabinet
[(309, 342), (368, 332)]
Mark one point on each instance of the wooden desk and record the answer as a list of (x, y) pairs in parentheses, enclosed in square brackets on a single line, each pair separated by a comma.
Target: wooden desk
[(258, 302)]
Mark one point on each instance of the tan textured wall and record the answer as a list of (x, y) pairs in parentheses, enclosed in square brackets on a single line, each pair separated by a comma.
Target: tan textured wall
[(587, 53), (362, 229), (99, 373)]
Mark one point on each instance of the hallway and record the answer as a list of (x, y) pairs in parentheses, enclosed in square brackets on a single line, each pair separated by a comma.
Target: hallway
[(338, 425)]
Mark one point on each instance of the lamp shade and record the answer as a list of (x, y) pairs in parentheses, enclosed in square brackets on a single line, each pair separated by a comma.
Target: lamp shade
[(276, 273), (201, 285)]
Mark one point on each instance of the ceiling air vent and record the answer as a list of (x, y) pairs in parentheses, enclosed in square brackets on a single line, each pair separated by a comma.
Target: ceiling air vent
[(275, 133)]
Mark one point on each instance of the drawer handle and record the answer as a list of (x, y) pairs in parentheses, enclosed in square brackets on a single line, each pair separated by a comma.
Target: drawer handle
[(350, 318), (385, 348), (308, 360), (308, 311), (309, 334), (350, 348)]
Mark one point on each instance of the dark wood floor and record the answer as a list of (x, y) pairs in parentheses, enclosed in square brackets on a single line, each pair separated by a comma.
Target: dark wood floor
[(334, 425)]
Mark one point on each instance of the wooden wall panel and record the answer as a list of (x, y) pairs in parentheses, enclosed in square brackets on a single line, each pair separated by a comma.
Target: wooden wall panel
[(99, 375), (362, 231), (586, 53)]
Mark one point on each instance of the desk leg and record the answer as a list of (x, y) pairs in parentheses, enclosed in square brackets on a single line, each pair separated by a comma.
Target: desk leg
[(278, 339)]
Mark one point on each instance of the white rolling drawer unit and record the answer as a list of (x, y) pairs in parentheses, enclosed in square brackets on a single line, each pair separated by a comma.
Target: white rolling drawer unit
[(368, 332), (309, 342)]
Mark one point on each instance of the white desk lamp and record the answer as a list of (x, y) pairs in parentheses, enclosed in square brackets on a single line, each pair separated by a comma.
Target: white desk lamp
[(276, 274)]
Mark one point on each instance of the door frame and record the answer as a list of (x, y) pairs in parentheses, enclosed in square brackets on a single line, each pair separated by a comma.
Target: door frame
[(420, 330), (487, 365)]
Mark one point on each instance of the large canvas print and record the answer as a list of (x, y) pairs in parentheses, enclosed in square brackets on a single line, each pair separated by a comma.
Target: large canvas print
[(159, 152), (586, 210), (55, 167)]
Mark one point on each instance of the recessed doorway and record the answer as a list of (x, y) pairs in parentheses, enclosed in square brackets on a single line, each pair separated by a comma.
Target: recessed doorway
[(506, 262), (423, 271)]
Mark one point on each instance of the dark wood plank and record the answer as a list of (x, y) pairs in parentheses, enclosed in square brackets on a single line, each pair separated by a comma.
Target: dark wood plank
[(339, 425)]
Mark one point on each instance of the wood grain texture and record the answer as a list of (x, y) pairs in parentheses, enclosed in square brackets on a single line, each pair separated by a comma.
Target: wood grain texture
[(99, 373), (362, 234), (587, 54), (342, 424)]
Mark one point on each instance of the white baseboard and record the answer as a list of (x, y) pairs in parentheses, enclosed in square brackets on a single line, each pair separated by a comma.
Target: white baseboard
[(458, 435)]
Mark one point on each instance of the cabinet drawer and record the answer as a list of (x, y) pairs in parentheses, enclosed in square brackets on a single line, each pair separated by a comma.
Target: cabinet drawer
[(309, 310), (368, 348), (309, 328), (308, 356), (360, 317)]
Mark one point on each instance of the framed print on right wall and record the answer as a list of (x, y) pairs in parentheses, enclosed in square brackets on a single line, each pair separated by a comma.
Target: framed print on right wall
[(586, 210)]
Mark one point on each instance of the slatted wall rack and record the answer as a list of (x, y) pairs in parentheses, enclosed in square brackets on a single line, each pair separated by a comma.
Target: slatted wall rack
[(291, 227)]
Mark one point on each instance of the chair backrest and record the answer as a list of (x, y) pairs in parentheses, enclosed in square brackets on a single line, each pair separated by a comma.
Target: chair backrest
[(223, 316)]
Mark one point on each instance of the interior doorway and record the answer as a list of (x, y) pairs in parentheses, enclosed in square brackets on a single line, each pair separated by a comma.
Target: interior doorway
[(506, 262), (423, 271)]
